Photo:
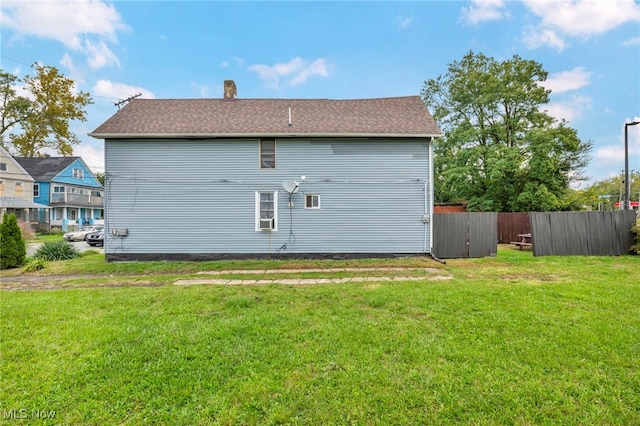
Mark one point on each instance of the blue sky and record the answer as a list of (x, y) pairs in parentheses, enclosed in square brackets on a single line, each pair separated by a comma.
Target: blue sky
[(336, 50)]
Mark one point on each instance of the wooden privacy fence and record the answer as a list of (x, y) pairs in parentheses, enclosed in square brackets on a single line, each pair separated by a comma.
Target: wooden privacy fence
[(458, 235), (510, 225), (602, 233)]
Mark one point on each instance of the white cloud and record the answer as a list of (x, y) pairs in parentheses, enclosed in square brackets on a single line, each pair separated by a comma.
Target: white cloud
[(405, 22), (94, 158), (576, 18), (567, 80), (109, 89), (74, 73), (632, 42), (100, 55), (297, 71), (317, 67), (614, 154), (484, 10), (83, 26), (569, 109), (535, 37)]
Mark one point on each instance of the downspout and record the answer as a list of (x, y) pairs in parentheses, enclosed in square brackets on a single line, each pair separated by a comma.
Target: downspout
[(429, 213), (431, 196), (426, 219)]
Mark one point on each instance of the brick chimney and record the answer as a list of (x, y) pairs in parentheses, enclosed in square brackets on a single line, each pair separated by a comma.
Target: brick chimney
[(230, 92)]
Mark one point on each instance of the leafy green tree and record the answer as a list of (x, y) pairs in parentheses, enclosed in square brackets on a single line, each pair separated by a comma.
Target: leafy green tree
[(602, 195), (501, 151), (14, 108), (13, 249), (42, 119), (100, 178)]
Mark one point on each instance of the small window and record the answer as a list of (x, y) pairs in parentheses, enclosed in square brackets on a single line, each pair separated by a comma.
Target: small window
[(267, 211), (78, 173), (18, 188), (311, 201), (58, 189), (3, 167), (267, 153), (36, 189)]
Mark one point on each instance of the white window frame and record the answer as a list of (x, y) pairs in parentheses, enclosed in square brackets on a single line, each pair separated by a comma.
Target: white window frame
[(3, 167), (257, 209), (36, 190), (78, 173), (311, 196)]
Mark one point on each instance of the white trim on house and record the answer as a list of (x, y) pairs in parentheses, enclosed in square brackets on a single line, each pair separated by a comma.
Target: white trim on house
[(257, 135), (257, 210)]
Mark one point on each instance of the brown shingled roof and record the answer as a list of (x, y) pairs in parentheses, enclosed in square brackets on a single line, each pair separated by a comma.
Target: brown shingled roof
[(401, 116)]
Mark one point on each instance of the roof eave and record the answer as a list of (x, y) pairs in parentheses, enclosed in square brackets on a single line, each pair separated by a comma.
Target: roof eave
[(257, 135)]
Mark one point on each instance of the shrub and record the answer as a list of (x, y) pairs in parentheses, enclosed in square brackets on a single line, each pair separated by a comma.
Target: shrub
[(27, 231), (636, 231), (34, 265), (56, 250), (13, 250)]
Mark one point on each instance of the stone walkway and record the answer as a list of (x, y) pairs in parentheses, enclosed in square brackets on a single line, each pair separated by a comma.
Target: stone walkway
[(434, 275)]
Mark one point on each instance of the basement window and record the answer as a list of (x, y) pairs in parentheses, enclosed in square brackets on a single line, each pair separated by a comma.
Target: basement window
[(267, 153)]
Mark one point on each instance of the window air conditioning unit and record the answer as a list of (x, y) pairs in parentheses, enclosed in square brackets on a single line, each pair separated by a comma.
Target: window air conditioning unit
[(266, 224)]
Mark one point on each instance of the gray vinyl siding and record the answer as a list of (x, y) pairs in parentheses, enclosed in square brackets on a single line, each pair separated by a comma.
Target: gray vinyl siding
[(198, 196)]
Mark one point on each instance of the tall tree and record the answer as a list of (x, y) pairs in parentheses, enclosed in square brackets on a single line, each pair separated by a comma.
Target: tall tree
[(501, 151), (14, 108), (44, 116)]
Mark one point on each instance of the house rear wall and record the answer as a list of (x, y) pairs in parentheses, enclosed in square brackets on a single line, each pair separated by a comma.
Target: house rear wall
[(186, 197)]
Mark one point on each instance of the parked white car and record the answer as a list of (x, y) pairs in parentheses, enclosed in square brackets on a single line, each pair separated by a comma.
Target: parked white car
[(81, 234)]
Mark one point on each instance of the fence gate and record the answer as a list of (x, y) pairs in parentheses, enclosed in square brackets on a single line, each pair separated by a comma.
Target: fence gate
[(458, 235)]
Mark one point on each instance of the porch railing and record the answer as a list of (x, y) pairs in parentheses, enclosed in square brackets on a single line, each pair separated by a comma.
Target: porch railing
[(76, 199)]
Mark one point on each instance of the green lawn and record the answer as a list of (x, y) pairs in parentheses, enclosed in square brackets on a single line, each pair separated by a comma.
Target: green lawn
[(509, 340)]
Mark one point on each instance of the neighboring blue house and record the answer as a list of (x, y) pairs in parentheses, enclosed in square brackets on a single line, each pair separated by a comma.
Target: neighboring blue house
[(68, 187), (233, 178)]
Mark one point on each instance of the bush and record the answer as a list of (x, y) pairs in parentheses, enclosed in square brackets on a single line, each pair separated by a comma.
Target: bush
[(56, 250), (34, 265), (27, 231), (13, 250), (636, 247)]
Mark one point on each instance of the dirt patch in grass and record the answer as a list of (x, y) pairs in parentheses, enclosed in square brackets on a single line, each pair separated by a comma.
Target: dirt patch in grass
[(222, 277)]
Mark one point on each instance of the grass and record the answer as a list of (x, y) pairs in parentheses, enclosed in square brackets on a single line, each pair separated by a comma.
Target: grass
[(43, 238), (509, 340)]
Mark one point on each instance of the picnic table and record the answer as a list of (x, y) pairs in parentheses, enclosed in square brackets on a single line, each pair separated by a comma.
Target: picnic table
[(525, 241)]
